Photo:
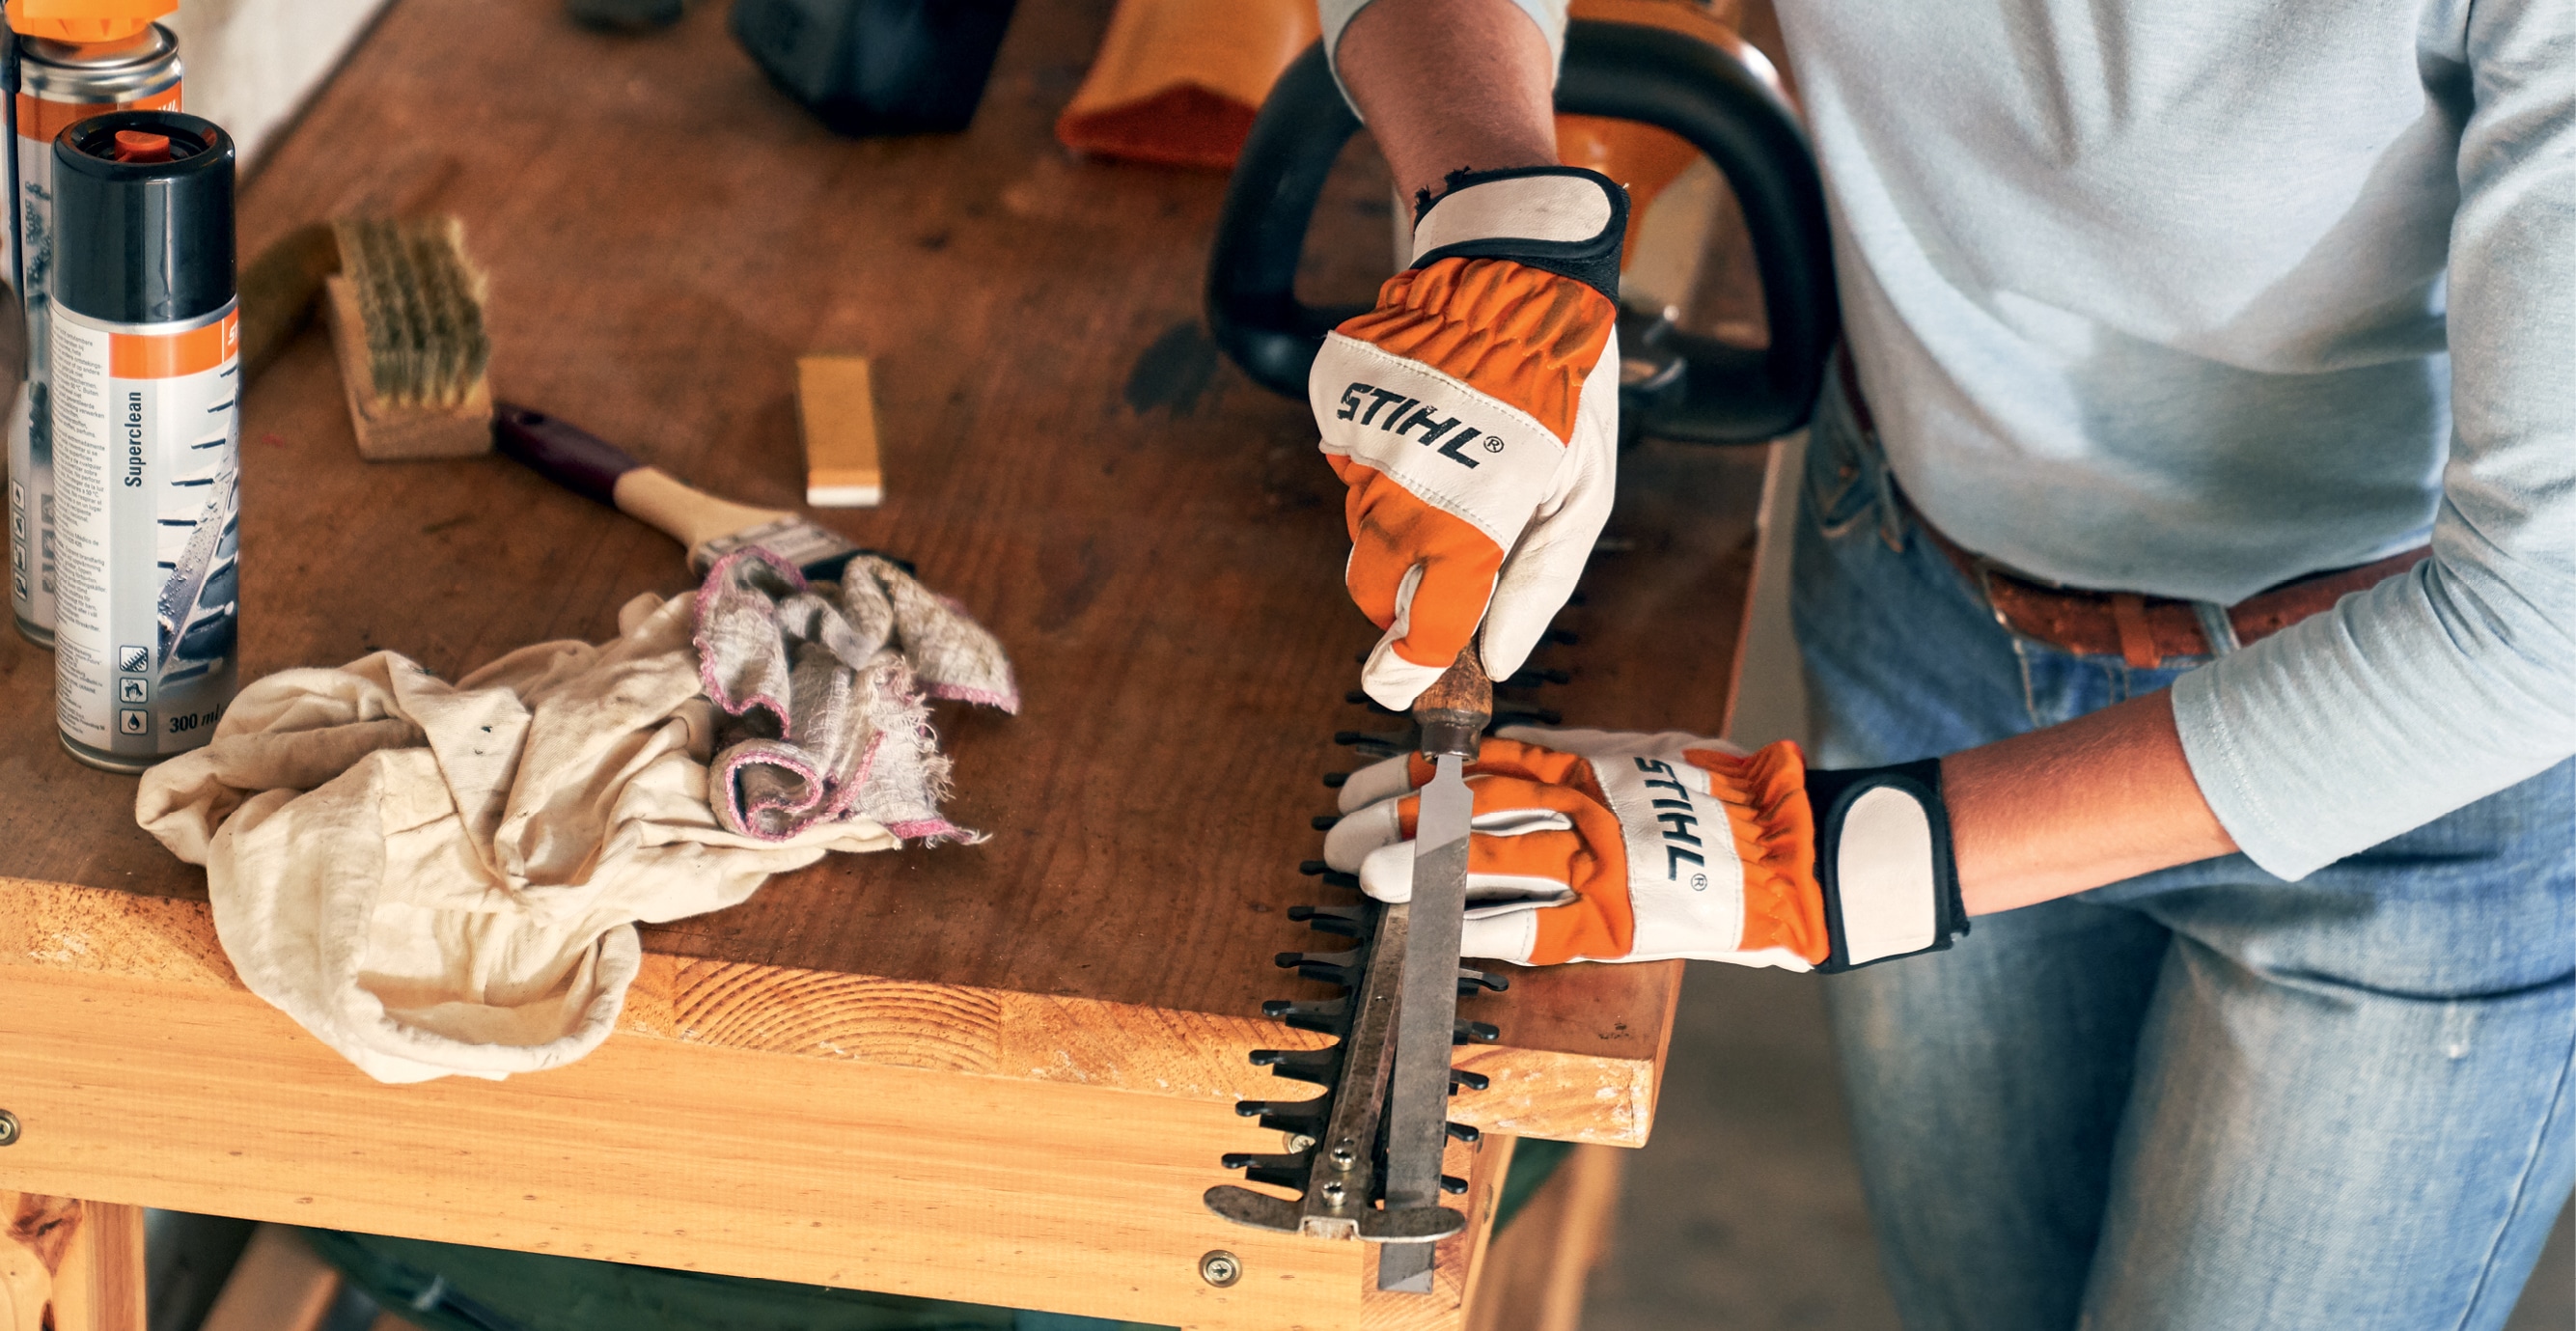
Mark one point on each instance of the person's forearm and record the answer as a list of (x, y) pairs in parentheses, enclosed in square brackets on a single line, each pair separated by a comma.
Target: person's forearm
[(2076, 806), (1447, 85)]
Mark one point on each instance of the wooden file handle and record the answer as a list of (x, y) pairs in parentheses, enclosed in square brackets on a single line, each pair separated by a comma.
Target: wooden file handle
[(1452, 713)]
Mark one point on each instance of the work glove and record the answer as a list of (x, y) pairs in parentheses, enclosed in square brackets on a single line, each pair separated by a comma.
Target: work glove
[(1589, 845), (1474, 417)]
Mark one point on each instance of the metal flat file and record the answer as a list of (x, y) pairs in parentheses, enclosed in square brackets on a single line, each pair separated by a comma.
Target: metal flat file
[(1452, 714)]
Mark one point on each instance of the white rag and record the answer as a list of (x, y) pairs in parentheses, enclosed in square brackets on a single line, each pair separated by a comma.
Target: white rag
[(440, 878)]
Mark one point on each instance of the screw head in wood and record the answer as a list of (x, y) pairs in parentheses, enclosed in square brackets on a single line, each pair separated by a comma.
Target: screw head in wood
[(8, 1128), (1220, 1268)]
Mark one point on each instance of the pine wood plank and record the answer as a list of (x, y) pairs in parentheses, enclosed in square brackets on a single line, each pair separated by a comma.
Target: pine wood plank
[(40, 1232), (1536, 1268), (70, 1265), (103, 1277), (1052, 1196), (52, 929)]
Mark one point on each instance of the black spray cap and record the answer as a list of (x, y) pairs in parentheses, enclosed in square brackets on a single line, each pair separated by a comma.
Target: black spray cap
[(143, 217)]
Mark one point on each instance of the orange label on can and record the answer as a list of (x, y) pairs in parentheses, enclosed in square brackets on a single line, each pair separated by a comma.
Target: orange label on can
[(170, 355), (41, 120)]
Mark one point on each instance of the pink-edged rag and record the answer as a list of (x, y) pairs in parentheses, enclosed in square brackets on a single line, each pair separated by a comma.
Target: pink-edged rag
[(823, 691)]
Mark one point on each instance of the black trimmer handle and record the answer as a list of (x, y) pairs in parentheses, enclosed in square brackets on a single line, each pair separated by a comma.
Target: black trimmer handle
[(1619, 71)]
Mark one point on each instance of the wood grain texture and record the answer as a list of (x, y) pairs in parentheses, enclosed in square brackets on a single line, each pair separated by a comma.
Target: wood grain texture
[(278, 1284), (1536, 1268), (1051, 1196), (106, 1276), (1152, 537), (40, 1232), (70, 1265), (53, 929)]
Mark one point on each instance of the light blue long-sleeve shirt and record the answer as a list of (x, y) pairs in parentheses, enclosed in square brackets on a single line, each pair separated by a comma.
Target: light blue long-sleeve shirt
[(2198, 297)]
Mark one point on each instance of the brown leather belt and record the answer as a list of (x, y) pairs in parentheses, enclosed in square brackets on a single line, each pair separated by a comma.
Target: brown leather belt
[(2144, 631)]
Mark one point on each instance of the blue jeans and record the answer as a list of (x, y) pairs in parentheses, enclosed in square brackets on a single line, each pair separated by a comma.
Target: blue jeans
[(2204, 1098)]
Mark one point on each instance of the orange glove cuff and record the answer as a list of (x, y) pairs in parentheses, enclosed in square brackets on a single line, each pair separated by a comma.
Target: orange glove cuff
[(1775, 835)]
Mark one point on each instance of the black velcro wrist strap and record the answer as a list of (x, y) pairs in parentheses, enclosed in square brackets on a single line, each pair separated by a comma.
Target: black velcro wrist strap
[(1831, 797), (1593, 260)]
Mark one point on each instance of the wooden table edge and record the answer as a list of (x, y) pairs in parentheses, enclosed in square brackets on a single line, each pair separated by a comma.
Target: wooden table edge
[(828, 1017)]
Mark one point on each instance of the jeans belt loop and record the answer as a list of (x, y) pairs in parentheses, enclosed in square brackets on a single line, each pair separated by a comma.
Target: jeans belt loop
[(1891, 511)]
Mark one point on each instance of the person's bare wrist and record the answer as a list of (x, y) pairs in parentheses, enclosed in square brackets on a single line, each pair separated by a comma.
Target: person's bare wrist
[(2106, 796), (1491, 109)]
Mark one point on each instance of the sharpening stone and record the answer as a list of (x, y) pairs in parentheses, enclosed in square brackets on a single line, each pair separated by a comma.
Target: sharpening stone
[(840, 422)]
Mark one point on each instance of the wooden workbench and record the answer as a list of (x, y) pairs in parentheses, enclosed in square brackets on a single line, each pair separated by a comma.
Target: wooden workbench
[(1003, 1072)]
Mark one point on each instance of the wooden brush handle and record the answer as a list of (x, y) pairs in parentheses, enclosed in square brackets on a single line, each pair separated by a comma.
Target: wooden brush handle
[(691, 516)]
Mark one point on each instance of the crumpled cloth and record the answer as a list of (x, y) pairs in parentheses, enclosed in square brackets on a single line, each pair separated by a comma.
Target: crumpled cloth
[(439, 878), (824, 691)]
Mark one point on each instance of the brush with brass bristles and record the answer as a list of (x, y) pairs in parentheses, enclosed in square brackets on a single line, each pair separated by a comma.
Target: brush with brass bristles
[(421, 300), (407, 322)]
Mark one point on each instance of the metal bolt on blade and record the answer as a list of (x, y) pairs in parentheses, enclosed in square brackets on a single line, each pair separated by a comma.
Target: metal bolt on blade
[(1220, 1268), (1333, 1194), (1342, 1157), (8, 1128)]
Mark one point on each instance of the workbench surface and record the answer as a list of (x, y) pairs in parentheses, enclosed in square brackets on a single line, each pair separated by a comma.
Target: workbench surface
[(1152, 537)]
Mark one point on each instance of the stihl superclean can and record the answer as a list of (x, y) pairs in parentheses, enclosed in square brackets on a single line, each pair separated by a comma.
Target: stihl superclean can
[(147, 436), (9, 167), (59, 84)]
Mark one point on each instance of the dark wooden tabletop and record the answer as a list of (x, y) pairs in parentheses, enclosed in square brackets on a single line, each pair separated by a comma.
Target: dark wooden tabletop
[(1152, 536)]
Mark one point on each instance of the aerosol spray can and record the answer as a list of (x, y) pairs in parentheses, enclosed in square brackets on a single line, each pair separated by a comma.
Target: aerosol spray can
[(147, 435), (59, 84), (9, 191)]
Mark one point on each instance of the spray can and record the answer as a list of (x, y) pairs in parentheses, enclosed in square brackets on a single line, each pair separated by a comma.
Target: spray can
[(147, 431), (60, 82), (9, 174)]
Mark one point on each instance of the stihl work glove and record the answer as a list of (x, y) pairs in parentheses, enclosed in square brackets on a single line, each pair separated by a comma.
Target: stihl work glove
[(1474, 417), (1594, 846)]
